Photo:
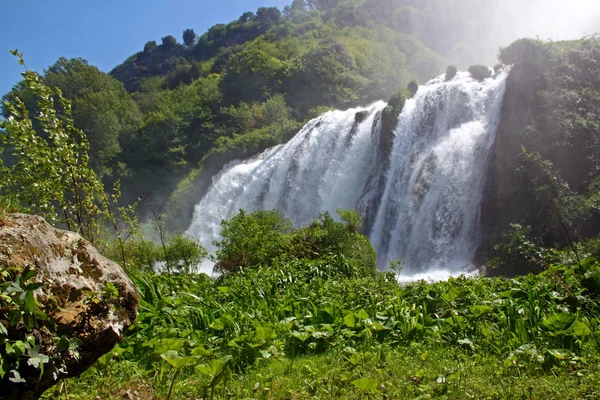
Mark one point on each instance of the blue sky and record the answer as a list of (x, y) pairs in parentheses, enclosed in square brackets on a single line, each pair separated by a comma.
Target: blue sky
[(104, 32)]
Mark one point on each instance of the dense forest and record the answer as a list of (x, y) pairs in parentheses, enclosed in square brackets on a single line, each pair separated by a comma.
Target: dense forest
[(302, 311)]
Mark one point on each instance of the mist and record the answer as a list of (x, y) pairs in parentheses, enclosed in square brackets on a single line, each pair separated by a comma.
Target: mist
[(502, 22)]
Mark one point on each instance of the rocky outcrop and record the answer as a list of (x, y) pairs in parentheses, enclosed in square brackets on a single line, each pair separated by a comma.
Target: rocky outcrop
[(504, 191), (87, 298)]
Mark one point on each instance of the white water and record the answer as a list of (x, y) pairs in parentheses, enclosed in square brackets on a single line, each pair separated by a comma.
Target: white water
[(423, 208)]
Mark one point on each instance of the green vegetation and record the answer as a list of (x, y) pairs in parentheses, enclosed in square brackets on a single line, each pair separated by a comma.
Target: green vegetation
[(451, 72), (174, 109), (547, 161), (308, 328), (302, 313), (480, 72)]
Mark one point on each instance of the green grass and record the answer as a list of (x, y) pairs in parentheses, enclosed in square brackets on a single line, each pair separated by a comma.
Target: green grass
[(414, 371), (301, 330)]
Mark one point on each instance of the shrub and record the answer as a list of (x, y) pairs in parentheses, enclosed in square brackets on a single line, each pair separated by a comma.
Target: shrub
[(451, 72), (254, 239), (169, 41), (265, 238), (149, 46), (189, 37), (520, 50), (480, 72), (390, 114), (413, 87), (184, 254)]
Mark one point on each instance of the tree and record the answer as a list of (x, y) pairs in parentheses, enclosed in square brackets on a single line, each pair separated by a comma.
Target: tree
[(50, 174), (480, 72), (268, 17), (149, 46), (247, 17), (413, 87), (251, 240), (189, 37), (451, 72), (251, 75), (169, 42), (101, 108), (326, 75)]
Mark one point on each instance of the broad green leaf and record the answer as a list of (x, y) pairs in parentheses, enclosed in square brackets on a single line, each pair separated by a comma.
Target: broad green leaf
[(37, 359), (362, 314), (301, 335), (366, 384), (215, 367), (264, 333), (350, 320), (559, 354), (219, 324), (559, 322), (479, 310), (30, 302), (175, 360), (580, 329), (355, 359)]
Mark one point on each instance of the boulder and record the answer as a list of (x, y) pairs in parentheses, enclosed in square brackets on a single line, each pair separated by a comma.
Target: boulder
[(87, 298)]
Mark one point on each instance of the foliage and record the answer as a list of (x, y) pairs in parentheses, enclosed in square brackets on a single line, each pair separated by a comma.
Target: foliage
[(304, 326), (49, 175), (549, 160), (149, 46), (480, 72), (189, 37), (255, 239), (412, 87), (451, 72), (168, 42), (263, 238), (522, 50), (517, 254)]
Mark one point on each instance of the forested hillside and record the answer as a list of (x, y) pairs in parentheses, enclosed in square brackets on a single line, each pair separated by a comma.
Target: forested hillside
[(249, 84)]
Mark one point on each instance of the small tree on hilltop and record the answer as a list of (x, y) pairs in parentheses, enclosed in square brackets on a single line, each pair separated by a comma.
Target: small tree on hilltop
[(149, 46), (451, 72), (169, 41), (189, 37), (413, 87)]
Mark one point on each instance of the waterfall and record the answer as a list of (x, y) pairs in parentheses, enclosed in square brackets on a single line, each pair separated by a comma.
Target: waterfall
[(422, 205)]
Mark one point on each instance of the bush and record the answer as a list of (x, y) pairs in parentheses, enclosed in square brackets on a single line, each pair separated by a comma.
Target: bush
[(480, 72), (518, 253), (451, 72), (184, 254), (520, 50), (265, 238), (149, 46), (413, 87), (255, 239), (169, 42), (189, 37), (390, 114)]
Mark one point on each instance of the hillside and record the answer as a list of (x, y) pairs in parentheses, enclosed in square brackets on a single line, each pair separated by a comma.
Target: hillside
[(246, 85)]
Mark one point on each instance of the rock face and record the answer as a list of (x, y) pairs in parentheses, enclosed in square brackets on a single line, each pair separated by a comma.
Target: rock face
[(74, 296), (504, 192)]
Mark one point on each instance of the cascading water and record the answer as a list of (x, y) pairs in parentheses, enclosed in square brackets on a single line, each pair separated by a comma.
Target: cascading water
[(423, 202)]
